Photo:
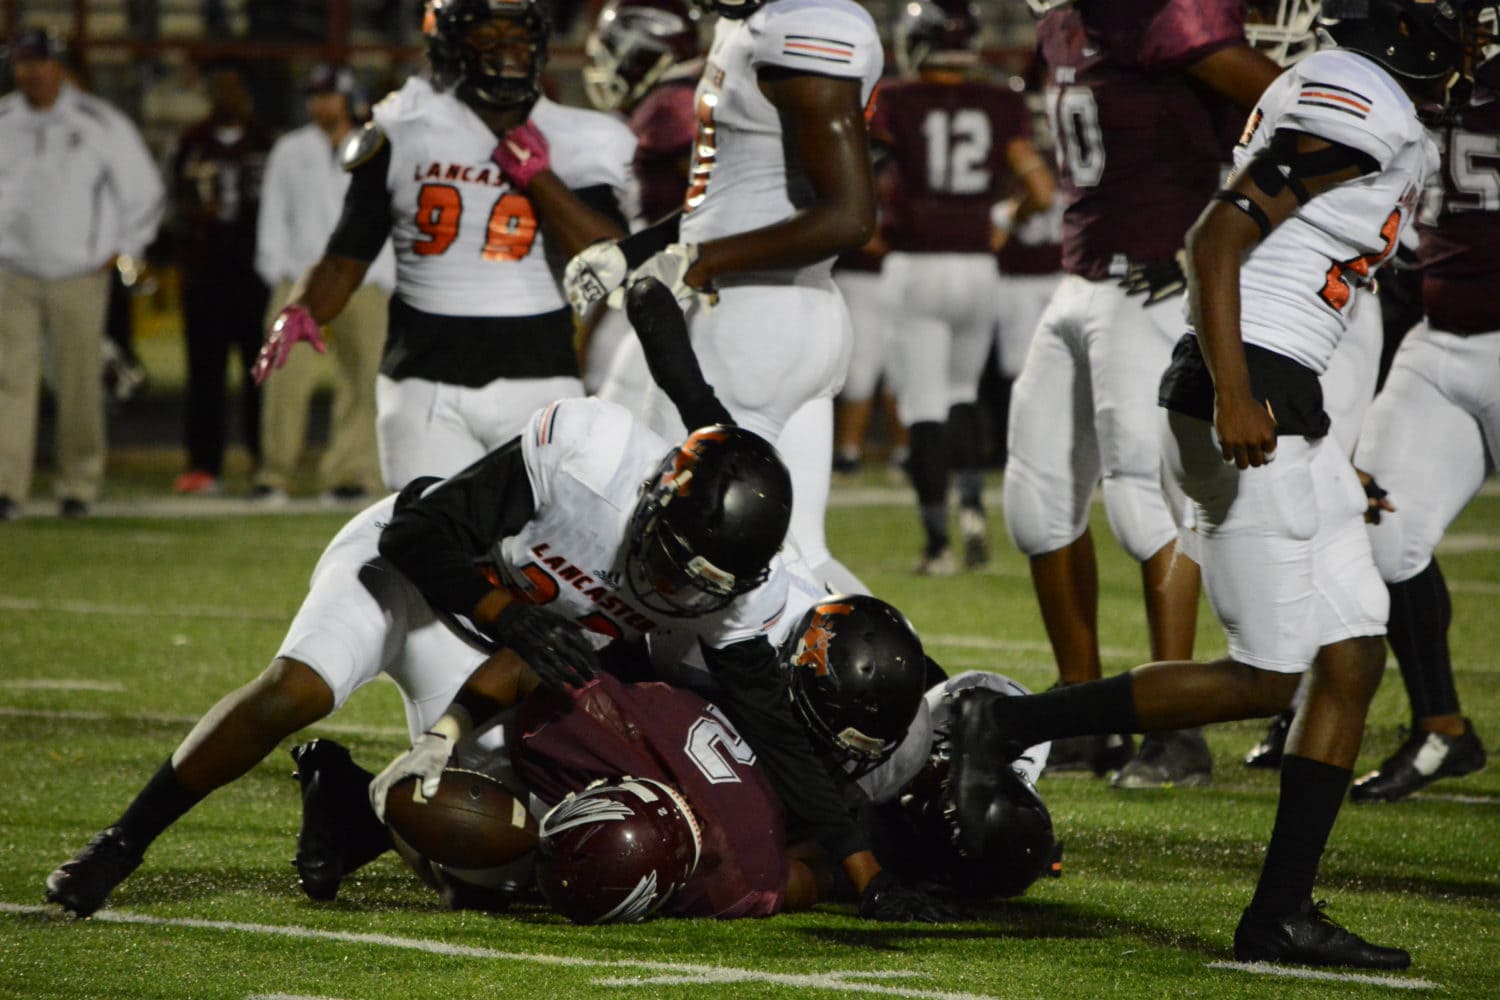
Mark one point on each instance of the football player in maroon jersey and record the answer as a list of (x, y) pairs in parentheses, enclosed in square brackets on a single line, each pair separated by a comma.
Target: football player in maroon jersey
[(1426, 438), (958, 144)]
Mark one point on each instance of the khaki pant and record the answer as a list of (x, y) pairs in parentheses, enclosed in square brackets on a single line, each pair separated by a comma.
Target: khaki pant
[(355, 339), (69, 313)]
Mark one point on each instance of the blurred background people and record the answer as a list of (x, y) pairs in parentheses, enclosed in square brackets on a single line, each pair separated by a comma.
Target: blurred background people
[(77, 189), (216, 179), (301, 198)]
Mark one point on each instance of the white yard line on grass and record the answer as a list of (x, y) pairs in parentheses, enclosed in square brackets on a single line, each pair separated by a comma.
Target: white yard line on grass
[(683, 973), (1262, 969), (60, 684)]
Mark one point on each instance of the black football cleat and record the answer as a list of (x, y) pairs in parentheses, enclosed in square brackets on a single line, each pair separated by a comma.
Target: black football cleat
[(340, 831), (1268, 752), (1423, 758), (82, 885), (1310, 937), (976, 744), (1178, 759)]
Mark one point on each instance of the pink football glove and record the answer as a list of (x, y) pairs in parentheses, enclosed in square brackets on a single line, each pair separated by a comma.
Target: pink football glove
[(292, 324), (522, 154)]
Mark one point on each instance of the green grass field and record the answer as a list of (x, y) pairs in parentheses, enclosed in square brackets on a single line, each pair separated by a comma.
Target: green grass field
[(117, 632)]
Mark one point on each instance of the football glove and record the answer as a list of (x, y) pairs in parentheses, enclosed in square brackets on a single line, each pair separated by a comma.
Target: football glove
[(595, 273), (292, 324), (887, 898), (426, 759), (1375, 498), (522, 154), (554, 647), (1158, 281), (670, 267)]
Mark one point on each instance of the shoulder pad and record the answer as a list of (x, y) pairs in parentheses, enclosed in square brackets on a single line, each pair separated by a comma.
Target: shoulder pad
[(361, 147)]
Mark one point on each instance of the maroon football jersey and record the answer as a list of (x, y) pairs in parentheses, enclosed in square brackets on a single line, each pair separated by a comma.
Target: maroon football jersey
[(948, 166), (611, 729), (1460, 247), (1139, 143), (664, 124)]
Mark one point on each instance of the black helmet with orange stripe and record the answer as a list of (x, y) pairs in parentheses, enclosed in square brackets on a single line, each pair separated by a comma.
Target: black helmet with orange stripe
[(708, 522)]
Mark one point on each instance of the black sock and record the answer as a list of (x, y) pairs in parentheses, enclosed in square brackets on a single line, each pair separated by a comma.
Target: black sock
[(963, 454), (1311, 793), (1418, 634), (157, 806), (1089, 709), (928, 467)]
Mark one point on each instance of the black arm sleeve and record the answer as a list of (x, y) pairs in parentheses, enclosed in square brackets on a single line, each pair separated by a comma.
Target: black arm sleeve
[(663, 333), (366, 221), (641, 246), (439, 540), (756, 699)]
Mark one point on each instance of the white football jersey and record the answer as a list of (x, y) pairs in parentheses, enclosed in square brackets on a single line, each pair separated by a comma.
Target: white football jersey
[(1296, 287), (586, 459), (739, 179), (932, 724), (467, 243)]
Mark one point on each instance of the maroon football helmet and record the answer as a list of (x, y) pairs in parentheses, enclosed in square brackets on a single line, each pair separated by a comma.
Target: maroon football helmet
[(937, 34), (635, 45), (616, 851)]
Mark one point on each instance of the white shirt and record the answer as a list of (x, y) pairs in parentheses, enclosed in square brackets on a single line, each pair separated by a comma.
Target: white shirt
[(467, 243), (1296, 288), (301, 198), (586, 459), (77, 186), (739, 180)]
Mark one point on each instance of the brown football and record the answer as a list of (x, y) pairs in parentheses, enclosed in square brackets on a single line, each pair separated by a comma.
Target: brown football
[(472, 821)]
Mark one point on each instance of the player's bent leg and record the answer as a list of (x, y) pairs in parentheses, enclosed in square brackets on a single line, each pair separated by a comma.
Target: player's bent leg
[(230, 739)]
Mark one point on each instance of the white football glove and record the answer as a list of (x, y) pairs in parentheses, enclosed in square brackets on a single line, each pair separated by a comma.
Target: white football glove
[(670, 267), (593, 274), (426, 759)]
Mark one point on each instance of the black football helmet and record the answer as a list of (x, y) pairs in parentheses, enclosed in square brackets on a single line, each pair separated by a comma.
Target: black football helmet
[(937, 34), (616, 851), (708, 522), (477, 55), (1416, 39), (636, 44), (857, 674), (998, 853)]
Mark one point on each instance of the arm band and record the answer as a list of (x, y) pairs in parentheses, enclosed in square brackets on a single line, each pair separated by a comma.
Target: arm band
[(1250, 208)]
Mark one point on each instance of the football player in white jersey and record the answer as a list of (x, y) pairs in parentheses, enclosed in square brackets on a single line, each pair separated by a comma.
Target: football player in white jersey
[(1328, 175), (476, 178), (780, 184), (587, 528)]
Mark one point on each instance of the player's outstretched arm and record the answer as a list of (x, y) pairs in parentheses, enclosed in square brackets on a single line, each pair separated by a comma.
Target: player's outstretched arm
[(663, 332)]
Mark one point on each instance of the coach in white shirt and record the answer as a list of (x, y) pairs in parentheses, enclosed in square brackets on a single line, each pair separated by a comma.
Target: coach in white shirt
[(301, 198), (77, 190)]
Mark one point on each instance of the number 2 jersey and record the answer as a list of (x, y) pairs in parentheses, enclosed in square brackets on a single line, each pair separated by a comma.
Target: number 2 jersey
[(610, 729), (740, 179), (1297, 284)]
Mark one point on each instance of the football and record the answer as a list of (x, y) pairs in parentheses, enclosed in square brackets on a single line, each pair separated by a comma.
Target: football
[(472, 821)]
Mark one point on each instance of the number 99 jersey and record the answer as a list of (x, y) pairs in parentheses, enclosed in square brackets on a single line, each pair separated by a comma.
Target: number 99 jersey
[(467, 243)]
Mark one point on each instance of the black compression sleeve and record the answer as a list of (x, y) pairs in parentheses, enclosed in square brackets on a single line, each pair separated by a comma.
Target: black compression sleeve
[(663, 333), (365, 223), (439, 540), (756, 700), (641, 246)]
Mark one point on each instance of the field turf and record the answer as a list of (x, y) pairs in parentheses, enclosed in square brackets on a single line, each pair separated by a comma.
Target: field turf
[(117, 632)]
